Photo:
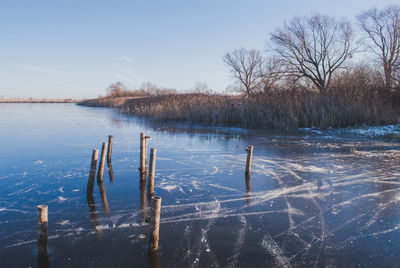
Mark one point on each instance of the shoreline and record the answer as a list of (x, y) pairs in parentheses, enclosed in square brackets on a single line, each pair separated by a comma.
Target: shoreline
[(39, 101)]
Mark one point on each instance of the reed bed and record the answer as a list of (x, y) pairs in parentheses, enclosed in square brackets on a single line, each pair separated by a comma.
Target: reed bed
[(354, 99), (276, 110)]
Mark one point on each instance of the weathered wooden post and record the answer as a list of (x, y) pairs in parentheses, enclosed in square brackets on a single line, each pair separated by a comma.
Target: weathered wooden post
[(110, 139), (248, 189), (92, 174), (42, 231), (155, 220), (154, 259), (249, 151), (248, 184), (101, 164), (145, 154), (152, 168), (142, 153), (42, 214), (143, 207)]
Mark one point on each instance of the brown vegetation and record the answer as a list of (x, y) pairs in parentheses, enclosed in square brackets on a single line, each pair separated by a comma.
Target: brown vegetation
[(355, 97), (276, 110)]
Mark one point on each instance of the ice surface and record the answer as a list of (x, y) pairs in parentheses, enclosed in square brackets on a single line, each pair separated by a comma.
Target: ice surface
[(318, 199)]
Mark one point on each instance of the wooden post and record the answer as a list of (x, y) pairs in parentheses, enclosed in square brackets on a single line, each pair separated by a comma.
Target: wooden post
[(143, 207), (155, 219), (92, 174), (249, 151), (248, 184), (145, 154), (42, 211), (142, 157), (154, 259), (101, 165), (42, 231), (152, 168), (110, 139), (248, 189)]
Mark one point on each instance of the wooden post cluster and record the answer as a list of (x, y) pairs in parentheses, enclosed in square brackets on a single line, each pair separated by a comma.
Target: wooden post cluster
[(105, 150), (152, 168), (42, 230), (155, 219), (92, 174), (101, 165), (155, 200), (249, 151)]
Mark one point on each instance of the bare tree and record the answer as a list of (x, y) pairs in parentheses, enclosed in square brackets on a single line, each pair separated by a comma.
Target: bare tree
[(200, 87), (383, 29), (148, 88), (116, 89), (314, 47), (245, 66), (272, 73)]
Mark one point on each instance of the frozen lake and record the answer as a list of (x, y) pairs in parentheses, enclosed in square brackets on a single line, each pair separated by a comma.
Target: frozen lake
[(315, 199)]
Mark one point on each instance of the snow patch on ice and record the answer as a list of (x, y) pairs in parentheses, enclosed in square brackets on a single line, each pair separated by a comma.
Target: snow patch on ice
[(378, 131), (306, 168), (64, 222), (61, 199), (169, 188), (38, 162), (223, 187), (388, 154)]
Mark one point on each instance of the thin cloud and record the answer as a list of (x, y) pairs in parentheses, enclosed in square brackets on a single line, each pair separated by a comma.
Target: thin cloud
[(124, 78), (29, 67), (127, 58)]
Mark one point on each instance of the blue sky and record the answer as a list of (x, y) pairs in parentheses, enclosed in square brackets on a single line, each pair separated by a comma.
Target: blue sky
[(68, 48)]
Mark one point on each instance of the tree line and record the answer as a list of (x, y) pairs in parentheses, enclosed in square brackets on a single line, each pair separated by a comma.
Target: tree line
[(308, 52), (118, 89)]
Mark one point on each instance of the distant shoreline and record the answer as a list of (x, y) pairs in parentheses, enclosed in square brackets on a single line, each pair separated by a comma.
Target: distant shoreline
[(39, 101)]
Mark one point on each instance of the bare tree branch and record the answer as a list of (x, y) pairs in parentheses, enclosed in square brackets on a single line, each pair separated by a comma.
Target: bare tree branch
[(382, 27), (314, 48), (245, 66)]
